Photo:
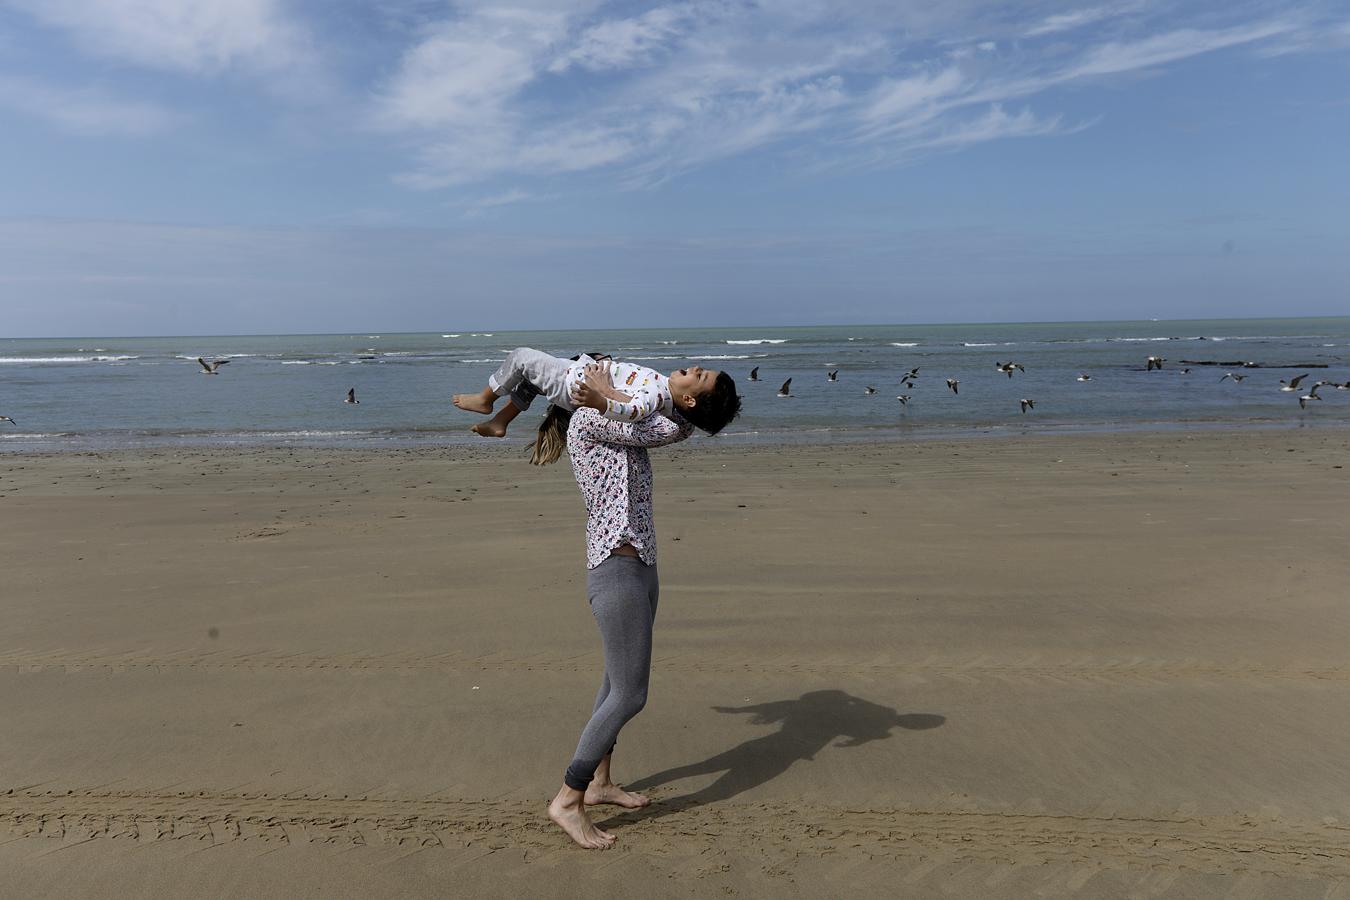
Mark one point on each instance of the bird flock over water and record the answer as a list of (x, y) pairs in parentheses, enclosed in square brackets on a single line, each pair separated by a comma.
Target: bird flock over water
[(213, 368), (1025, 404), (1292, 387), (910, 378)]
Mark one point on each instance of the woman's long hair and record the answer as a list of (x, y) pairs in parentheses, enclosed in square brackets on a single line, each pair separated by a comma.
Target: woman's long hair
[(551, 440)]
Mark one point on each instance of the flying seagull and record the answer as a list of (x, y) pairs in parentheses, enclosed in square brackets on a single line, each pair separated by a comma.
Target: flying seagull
[(952, 383), (904, 399), (783, 391), (213, 367), (1238, 378), (754, 374), (1303, 401), (1292, 384), (870, 390), (351, 396), (8, 419), (832, 376), (1008, 367), (1154, 362), (913, 373), (1027, 404)]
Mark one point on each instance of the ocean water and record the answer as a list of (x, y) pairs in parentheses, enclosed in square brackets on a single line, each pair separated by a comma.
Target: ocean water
[(92, 393)]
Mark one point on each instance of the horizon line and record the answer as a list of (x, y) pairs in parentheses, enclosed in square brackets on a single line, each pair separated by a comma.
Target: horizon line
[(69, 337)]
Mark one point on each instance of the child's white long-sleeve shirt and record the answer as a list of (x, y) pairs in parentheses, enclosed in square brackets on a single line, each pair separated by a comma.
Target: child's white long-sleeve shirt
[(648, 388)]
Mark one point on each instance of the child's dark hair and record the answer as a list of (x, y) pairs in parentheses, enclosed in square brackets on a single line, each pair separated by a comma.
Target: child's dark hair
[(714, 410)]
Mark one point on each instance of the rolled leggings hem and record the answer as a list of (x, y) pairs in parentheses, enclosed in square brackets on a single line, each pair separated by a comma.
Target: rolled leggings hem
[(578, 782), (574, 780)]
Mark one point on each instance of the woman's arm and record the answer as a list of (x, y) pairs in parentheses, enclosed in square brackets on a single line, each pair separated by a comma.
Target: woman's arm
[(641, 403), (647, 398), (654, 431), (596, 390)]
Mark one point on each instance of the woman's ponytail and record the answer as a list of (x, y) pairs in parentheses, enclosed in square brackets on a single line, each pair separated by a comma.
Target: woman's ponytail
[(552, 438)]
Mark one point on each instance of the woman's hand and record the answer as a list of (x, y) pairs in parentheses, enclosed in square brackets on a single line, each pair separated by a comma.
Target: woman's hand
[(594, 388)]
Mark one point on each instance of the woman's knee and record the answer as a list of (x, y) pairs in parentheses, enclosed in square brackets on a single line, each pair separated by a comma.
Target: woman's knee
[(632, 701)]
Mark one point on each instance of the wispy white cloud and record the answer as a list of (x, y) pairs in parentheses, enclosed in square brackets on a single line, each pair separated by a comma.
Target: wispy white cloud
[(200, 36), (88, 111), (464, 72), (734, 124), (498, 149), (479, 90), (1068, 21), (1331, 36), (559, 87), (898, 100), (623, 43), (993, 124), (927, 111), (506, 198), (1126, 56), (491, 203)]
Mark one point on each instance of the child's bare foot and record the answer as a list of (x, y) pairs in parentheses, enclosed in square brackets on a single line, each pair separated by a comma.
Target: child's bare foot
[(571, 817), (496, 426), (479, 403), (615, 795), (490, 428)]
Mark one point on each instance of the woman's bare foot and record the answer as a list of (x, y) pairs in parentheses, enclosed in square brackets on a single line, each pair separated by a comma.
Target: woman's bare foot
[(614, 794), (479, 403), (568, 811), (490, 428)]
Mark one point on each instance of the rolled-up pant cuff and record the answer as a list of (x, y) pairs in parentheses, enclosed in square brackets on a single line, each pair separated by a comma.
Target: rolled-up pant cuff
[(579, 775)]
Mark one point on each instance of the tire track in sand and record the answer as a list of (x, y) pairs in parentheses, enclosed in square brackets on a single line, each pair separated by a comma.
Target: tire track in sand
[(1211, 844)]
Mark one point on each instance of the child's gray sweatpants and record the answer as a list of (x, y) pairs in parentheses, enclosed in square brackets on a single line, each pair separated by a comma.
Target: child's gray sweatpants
[(623, 592), (525, 367)]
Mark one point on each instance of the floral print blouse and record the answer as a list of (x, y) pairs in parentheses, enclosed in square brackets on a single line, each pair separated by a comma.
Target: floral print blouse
[(609, 460)]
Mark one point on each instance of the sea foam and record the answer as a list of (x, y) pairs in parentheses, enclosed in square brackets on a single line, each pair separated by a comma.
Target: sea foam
[(21, 360)]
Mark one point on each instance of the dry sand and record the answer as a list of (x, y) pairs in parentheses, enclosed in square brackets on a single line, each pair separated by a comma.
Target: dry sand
[(1089, 665)]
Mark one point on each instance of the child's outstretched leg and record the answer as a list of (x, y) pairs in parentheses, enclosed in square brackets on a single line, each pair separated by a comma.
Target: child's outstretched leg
[(515, 371), (480, 403), (496, 426)]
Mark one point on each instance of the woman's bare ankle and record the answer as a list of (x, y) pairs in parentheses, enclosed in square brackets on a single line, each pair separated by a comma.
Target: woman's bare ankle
[(568, 811), (568, 798)]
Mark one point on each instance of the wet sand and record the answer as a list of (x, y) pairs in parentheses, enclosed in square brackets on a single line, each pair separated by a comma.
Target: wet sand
[(1087, 665)]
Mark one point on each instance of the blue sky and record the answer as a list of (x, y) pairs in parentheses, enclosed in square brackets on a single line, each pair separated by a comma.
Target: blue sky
[(227, 166)]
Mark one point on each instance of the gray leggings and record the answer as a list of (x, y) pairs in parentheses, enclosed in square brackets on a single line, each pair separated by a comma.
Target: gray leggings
[(623, 592)]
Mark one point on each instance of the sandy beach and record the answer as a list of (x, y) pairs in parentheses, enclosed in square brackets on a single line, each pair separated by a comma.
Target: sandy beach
[(1091, 665)]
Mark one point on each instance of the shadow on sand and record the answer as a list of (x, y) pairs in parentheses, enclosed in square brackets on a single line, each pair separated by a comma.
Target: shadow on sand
[(809, 724)]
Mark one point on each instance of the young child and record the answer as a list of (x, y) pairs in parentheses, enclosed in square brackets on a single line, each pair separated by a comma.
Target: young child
[(707, 399)]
